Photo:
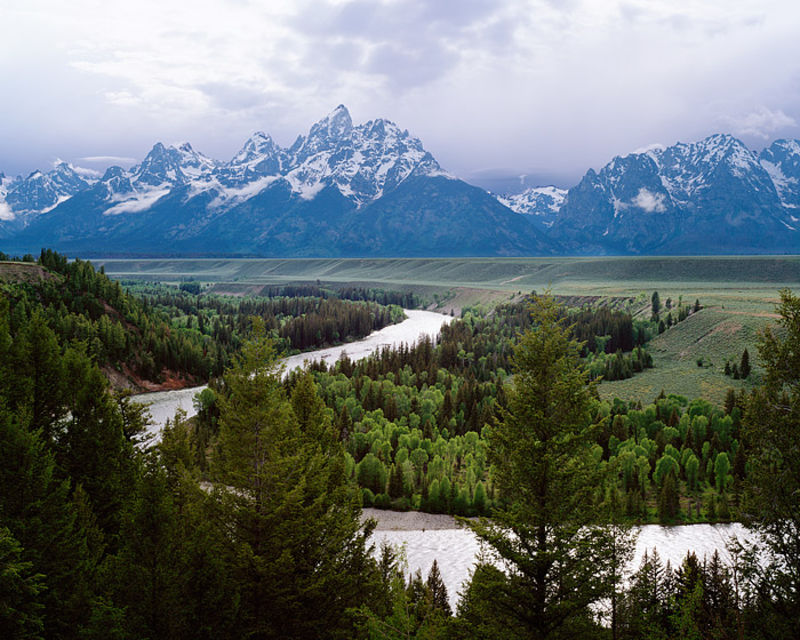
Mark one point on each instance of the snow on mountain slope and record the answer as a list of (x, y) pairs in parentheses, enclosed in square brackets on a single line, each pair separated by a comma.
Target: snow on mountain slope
[(543, 202), (713, 195), (781, 160), (363, 162), (41, 191)]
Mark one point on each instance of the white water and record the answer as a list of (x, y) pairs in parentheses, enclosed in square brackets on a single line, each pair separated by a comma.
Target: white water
[(455, 550), (164, 404)]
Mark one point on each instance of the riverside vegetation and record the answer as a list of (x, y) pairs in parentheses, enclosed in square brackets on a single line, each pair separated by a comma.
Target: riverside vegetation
[(244, 522)]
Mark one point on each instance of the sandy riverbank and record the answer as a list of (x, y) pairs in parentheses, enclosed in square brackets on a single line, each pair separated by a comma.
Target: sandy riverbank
[(409, 520)]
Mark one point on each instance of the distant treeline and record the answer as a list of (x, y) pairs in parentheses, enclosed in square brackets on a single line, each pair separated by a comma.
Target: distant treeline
[(407, 300), (298, 323)]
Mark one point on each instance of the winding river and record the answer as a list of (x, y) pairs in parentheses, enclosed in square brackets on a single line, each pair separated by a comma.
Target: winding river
[(455, 549), (164, 404)]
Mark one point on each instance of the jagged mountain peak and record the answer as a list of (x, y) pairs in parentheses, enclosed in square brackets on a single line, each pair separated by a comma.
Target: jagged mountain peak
[(114, 171), (256, 149), (40, 191), (173, 164), (789, 145), (334, 127), (712, 149), (159, 167)]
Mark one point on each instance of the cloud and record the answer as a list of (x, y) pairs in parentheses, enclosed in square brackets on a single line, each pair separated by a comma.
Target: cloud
[(122, 160), (655, 146), (649, 202), (538, 86), (760, 123), (86, 172), (5, 211)]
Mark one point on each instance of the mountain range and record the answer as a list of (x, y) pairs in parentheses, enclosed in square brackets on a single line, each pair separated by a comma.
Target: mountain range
[(373, 190)]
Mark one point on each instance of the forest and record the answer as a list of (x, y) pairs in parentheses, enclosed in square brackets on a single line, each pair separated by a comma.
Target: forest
[(245, 521)]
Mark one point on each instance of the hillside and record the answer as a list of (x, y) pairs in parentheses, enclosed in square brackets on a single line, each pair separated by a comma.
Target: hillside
[(82, 309)]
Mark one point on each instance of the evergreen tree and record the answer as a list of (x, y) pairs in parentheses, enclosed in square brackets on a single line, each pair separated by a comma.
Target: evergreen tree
[(655, 304), (20, 586), (144, 575), (668, 499), (93, 449), (55, 535), (438, 590), (557, 561), (744, 366), (730, 394), (298, 551), (643, 611), (772, 430)]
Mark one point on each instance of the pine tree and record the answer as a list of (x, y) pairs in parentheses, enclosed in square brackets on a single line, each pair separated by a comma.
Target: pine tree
[(744, 366), (49, 526), (655, 304), (299, 553), (144, 575), (20, 586), (668, 500), (730, 395), (557, 561), (438, 590), (643, 611)]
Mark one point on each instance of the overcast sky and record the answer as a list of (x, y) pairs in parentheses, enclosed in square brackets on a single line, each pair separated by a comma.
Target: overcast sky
[(494, 88)]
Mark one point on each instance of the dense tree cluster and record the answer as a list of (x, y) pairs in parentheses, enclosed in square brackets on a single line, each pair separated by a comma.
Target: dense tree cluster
[(297, 323), (117, 330), (101, 538), (386, 297), (414, 422), (698, 599)]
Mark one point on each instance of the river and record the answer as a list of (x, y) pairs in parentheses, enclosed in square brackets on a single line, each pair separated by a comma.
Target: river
[(164, 404), (455, 549)]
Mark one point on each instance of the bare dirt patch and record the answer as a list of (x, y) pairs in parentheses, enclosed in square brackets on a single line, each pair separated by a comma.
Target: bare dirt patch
[(24, 272), (752, 314), (727, 328), (128, 380)]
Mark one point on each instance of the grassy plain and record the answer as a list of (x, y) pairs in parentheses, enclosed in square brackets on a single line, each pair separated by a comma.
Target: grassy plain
[(738, 295)]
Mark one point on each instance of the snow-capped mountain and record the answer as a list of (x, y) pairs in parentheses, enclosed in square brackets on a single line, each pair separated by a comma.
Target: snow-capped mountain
[(373, 190), (39, 192), (361, 162), (710, 196), (782, 162), (312, 198), (543, 202)]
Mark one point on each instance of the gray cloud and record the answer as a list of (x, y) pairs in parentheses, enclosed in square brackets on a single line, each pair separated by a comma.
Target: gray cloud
[(543, 87), (760, 123)]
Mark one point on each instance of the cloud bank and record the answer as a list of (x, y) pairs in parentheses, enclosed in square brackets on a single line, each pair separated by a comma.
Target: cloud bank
[(534, 86)]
